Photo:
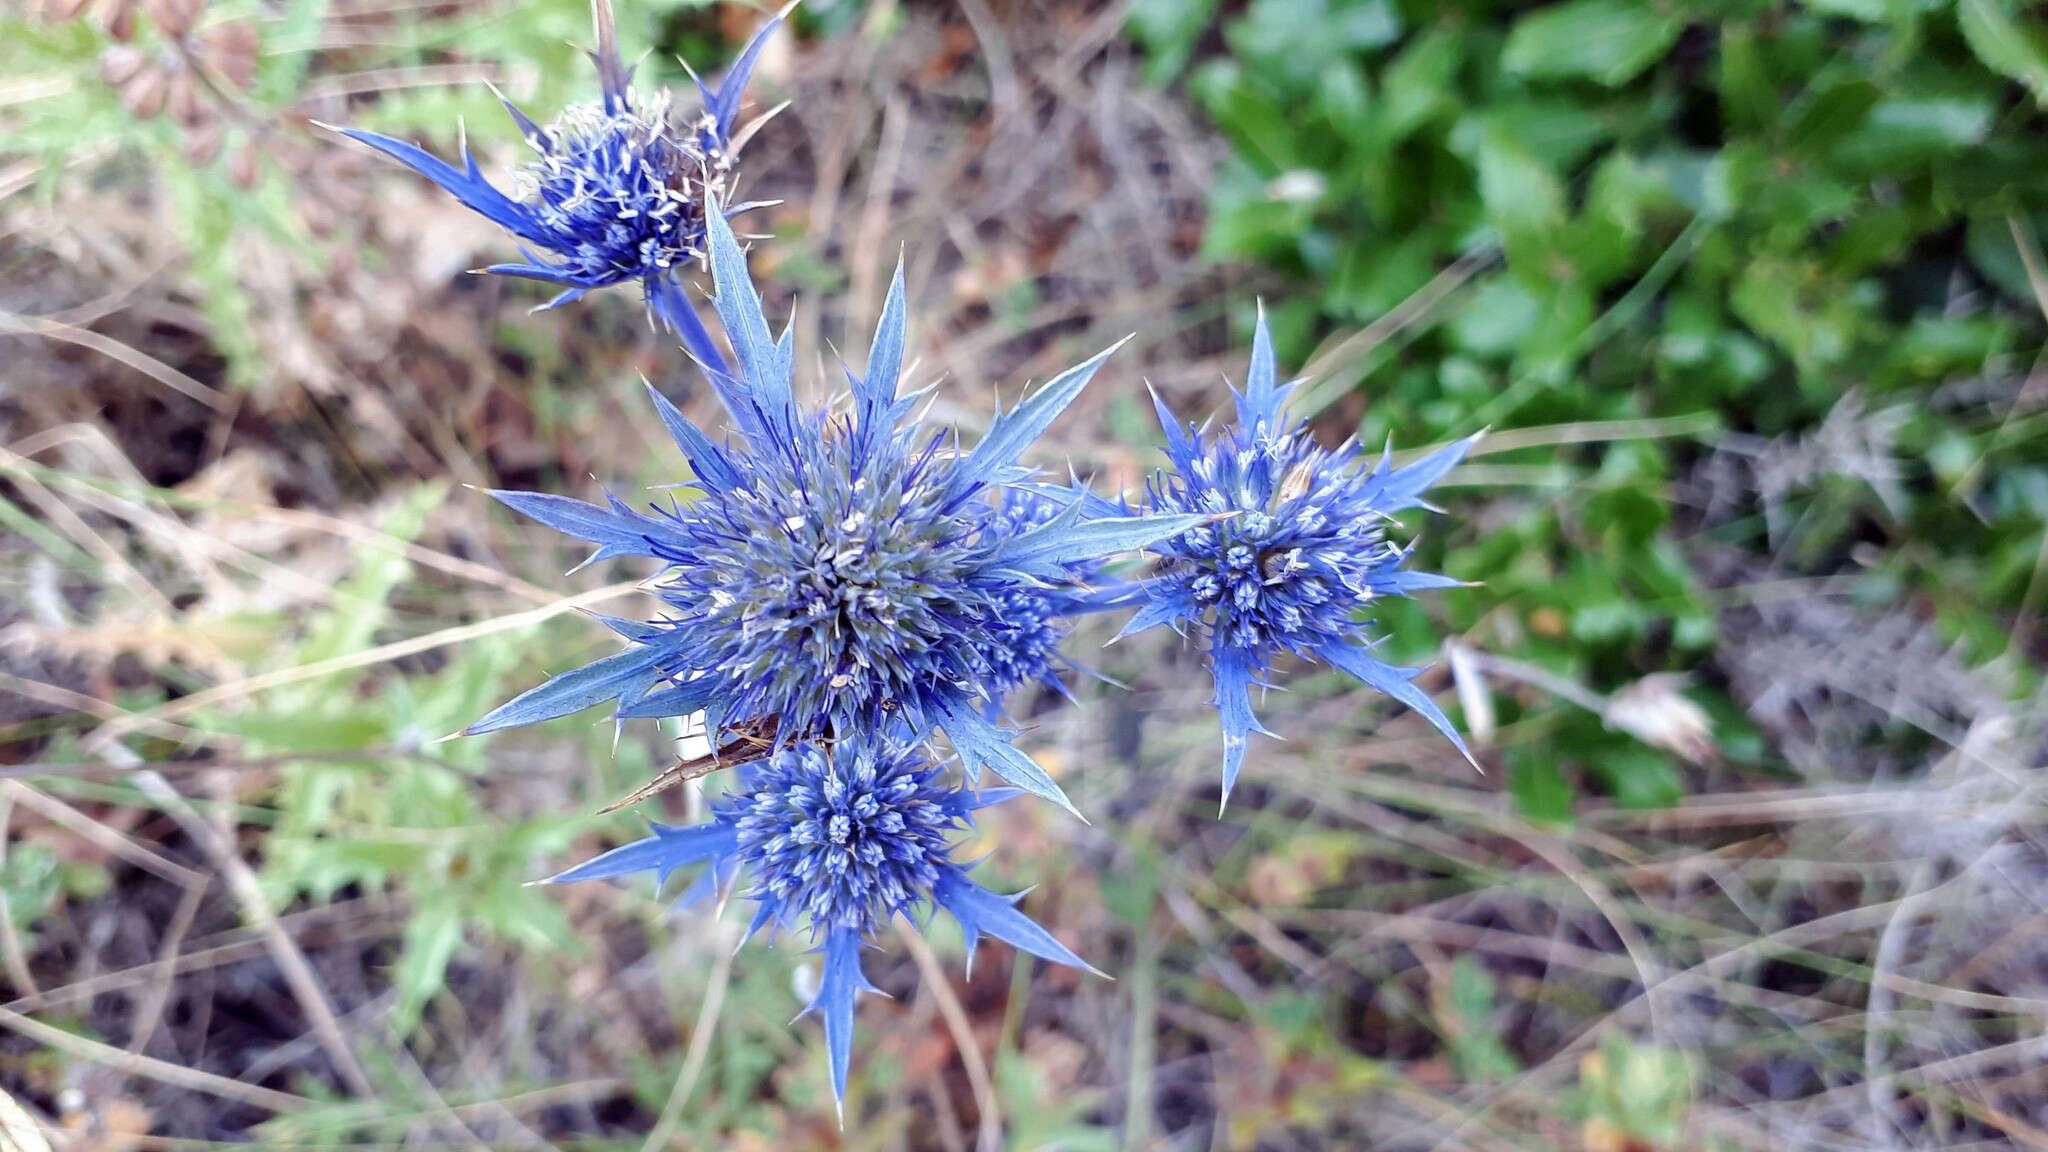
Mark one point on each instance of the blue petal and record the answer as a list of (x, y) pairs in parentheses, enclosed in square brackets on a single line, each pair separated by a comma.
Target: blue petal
[(1403, 488), (876, 392), (1401, 582), (612, 74), (529, 131), (1395, 682), (1064, 540), (1107, 597), (618, 530), (611, 678), (885, 355), (1233, 702), (636, 630), (1179, 448), (989, 797), (668, 849), (566, 296), (1015, 430), (545, 273), (984, 913), (1260, 402), (1169, 608), (980, 743), (466, 184), (839, 982), (724, 104), (670, 699), (713, 469), (764, 364), (1096, 508), (713, 880)]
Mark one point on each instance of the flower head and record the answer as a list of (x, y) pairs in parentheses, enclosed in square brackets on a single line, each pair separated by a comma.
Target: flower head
[(618, 188), (838, 838), (837, 574), (1295, 550), (844, 845)]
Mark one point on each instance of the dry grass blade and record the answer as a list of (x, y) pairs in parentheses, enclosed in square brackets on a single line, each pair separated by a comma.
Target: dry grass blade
[(248, 892), (701, 1033), (955, 1015), (101, 836), (133, 1064), (113, 349), (239, 689)]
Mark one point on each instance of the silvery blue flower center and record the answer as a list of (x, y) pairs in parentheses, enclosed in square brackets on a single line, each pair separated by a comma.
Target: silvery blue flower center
[(623, 194), (832, 597), (1283, 571), (846, 844), (1031, 633)]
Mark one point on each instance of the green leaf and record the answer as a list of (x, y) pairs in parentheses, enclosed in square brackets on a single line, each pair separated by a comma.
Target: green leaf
[(1476, 1040), (1749, 100), (1637, 777), (29, 877), (1517, 189), (1292, 41), (1346, 102), (1472, 989), (1497, 318), (1608, 41), (431, 938), (1868, 11), (1771, 297), (1168, 29), (1990, 245), (2015, 49), (298, 731), (1902, 133), (1831, 114), (1130, 892), (1540, 790), (1418, 84)]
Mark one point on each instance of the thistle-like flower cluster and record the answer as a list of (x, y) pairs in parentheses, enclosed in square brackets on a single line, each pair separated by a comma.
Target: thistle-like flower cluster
[(618, 188), (840, 838), (837, 574), (1295, 550), (849, 595)]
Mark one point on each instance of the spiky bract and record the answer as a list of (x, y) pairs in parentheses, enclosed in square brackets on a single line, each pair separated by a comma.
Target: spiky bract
[(837, 574), (838, 838), (618, 189), (1295, 553)]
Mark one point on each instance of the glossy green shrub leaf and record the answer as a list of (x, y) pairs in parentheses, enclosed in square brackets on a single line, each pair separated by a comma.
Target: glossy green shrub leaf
[(1794, 202), (1608, 41), (1541, 792), (2008, 43), (1169, 29)]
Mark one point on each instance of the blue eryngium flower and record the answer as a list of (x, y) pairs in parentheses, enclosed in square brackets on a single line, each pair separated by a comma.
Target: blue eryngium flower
[(839, 838), (837, 574), (1296, 551), (618, 190)]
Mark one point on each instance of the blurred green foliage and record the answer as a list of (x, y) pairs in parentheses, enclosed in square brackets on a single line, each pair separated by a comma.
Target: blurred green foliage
[(415, 820), (1729, 212)]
